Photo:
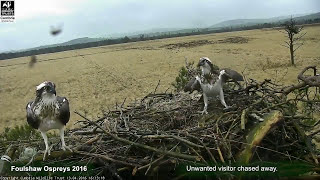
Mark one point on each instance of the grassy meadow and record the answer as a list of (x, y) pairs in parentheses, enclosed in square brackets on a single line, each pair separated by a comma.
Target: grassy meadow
[(94, 79)]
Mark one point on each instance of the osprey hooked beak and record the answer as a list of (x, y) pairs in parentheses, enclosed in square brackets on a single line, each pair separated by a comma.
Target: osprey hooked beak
[(46, 87)]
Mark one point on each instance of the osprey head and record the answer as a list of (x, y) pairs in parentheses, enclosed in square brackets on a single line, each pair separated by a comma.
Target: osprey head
[(204, 61), (46, 88), (206, 65)]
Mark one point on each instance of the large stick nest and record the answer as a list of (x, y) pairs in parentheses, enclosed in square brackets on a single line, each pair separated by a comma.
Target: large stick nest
[(163, 130)]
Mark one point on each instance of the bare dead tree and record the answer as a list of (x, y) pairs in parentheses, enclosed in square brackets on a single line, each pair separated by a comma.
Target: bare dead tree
[(291, 29)]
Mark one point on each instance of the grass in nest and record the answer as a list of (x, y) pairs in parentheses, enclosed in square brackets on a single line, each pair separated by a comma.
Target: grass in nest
[(20, 133)]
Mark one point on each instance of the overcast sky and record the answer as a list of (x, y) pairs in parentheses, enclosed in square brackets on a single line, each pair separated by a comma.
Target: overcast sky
[(102, 18)]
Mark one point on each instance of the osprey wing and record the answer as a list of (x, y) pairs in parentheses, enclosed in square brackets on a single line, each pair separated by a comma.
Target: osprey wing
[(192, 85), (32, 120), (64, 111), (233, 74)]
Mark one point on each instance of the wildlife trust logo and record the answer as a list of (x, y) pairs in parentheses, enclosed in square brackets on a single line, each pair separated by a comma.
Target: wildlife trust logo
[(7, 11)]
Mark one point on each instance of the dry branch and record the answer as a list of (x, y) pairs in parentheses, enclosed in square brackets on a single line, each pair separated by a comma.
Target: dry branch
[(256, 135)]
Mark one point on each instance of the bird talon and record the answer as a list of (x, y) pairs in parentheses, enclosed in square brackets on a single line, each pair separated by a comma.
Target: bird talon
[(203, 112), (64, 148), (227, 107)]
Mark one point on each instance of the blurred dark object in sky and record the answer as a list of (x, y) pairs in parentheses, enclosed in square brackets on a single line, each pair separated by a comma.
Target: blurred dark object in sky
[(56, 30), (33, 60)]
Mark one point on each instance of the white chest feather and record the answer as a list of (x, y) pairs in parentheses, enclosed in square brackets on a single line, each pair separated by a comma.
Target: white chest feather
[(47, 107), (47, 124), (47, 111), (205, 70), (211, 90)]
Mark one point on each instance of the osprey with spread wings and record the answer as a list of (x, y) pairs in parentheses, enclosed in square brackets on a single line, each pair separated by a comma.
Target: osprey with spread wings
[(211, 81)]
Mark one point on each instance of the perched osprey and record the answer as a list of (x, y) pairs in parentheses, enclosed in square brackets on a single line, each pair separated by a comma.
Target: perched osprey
[(47, 112), (210, 89), (211, 81), (211, 72)]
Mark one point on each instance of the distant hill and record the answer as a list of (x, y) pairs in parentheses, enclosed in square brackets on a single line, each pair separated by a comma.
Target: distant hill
[(250, 22), (232, 23), (71, 42), (81, 40), (308, 17), (238, 22)]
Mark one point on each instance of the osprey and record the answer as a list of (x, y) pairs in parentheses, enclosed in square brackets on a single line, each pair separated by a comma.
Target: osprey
[(211, 81), (56, 30), (211, 72), (48, 111), (210, 89)]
